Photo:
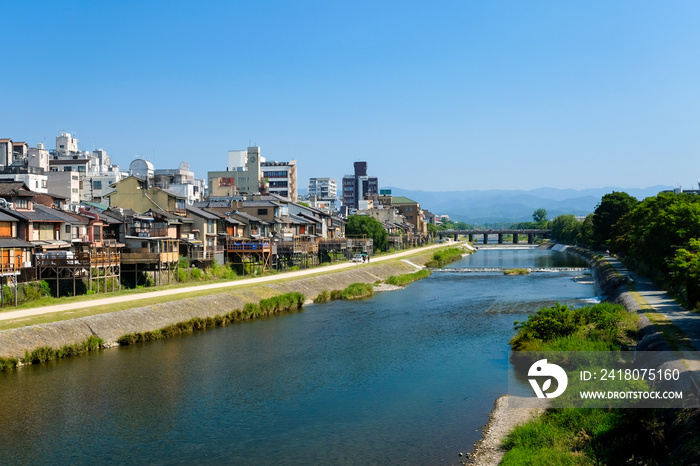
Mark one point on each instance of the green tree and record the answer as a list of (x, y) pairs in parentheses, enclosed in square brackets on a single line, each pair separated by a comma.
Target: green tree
[(369, 226), (612, 208), (432, 229), (565, 229), (539, 218), (585, 235), (651, 234), (685, 270)]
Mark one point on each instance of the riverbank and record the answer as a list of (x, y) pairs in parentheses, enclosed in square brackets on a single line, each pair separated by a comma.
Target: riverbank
[(614, 282), (609, 284), (16, 342)]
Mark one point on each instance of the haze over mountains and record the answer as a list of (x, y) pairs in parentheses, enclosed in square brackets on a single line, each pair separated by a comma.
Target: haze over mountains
[(493, 206)]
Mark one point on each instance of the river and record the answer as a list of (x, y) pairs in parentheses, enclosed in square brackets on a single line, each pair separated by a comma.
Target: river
[(406, 377)]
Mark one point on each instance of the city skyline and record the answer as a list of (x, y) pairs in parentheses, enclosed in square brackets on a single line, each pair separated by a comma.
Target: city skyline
[(451, 96)]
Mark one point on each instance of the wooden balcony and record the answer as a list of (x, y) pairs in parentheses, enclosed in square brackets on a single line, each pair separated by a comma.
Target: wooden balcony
[(248, 245)]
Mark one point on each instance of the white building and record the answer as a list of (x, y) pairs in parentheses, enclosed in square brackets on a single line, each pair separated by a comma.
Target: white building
[(323, 193), (181, 181), (282, 178)]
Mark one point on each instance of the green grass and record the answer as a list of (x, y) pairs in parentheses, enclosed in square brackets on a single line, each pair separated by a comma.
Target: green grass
[(46, 353), (600, 327), (265, 307), (405, 279), (516, 272), (357, 291), (442, 257), (323, 297)]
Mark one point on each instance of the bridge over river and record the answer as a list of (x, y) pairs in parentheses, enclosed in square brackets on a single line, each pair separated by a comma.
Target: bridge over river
[(531, 234)]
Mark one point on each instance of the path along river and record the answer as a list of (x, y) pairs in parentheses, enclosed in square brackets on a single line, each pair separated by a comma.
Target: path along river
[(407, 377)]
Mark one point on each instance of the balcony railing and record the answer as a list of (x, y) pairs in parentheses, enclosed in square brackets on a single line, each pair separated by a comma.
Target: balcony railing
[(148, 232), (248, 245)]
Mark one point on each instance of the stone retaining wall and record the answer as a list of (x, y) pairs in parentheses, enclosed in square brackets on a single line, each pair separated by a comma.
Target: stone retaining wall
[(111, 326), (614, 288)]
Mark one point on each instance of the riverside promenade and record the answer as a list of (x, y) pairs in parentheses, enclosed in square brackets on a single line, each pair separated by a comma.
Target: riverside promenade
[(213, 286), (652, 299)]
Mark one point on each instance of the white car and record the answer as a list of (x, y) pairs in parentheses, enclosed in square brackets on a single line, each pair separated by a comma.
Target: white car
[(358, 258)]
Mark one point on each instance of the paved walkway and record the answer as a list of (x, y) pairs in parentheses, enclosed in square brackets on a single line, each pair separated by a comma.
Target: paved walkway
[(230, 284), (687, 321)]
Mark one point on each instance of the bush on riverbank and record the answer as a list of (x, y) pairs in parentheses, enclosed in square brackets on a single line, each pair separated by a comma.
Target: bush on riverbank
[(596, 436), (601, 327), (276, 304), (357, 291), (323, 297), (445, 256), (405, 279)]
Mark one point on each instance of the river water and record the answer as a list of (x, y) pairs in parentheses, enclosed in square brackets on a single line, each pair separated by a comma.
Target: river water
[(406, 377)]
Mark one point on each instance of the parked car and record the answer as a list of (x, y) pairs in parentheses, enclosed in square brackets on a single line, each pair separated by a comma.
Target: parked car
[(358, 258)]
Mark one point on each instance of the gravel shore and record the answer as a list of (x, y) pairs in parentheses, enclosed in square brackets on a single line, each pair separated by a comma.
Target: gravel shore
[(488, 450)]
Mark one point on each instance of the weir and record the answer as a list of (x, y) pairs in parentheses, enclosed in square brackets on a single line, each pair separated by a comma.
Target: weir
[(503, 269)]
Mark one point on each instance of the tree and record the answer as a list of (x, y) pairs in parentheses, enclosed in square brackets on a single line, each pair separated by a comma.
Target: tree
[(585, 235), (685, 269), (539, 217), (369, 226), (612, 208), (565, 229)]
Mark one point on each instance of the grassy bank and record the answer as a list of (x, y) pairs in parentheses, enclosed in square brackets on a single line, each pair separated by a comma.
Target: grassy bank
[(45, 353), (353, 291), (445, 256), (587, 436), (405, 279), (265, 307)]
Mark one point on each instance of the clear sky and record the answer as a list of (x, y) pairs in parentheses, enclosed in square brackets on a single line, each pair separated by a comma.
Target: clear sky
[(434, 95)]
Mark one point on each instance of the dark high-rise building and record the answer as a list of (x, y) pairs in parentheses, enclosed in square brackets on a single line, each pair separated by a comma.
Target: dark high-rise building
[(359, 186)]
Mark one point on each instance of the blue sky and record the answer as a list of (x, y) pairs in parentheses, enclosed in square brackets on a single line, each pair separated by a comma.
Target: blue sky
[(443, 95)]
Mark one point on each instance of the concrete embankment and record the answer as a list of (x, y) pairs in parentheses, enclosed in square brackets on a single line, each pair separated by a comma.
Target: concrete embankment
[(613, 287), (111, 326)]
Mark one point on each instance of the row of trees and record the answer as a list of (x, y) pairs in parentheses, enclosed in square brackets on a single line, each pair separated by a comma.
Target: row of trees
[(660, 236)]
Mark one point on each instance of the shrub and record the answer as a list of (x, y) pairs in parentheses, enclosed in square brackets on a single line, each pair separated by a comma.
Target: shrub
[(357, 290), (405, 279), (323, 297)]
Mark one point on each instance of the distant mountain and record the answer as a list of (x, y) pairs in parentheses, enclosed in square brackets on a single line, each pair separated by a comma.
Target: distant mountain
[(515, 205)]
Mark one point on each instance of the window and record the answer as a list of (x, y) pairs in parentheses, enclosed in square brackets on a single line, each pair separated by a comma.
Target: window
[(210, 226), (262, 211), (43, 183), (68, 229), (22, 203), (96, 184)]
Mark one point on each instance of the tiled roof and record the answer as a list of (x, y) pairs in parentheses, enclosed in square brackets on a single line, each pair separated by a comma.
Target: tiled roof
[(202, 213), (43, 214)]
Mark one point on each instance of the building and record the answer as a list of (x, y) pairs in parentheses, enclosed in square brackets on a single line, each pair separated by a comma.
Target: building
[(180, 180), (281, 178), (359, 186), (237, 180), (94, 169), (323, 194), (135, 194)]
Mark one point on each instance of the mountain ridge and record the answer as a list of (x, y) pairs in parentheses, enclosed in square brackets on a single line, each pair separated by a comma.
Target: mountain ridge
[(501, 205)]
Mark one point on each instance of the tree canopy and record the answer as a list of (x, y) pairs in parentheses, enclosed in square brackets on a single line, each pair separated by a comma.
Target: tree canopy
[(539, 217), (369, 226), (611, 209)]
